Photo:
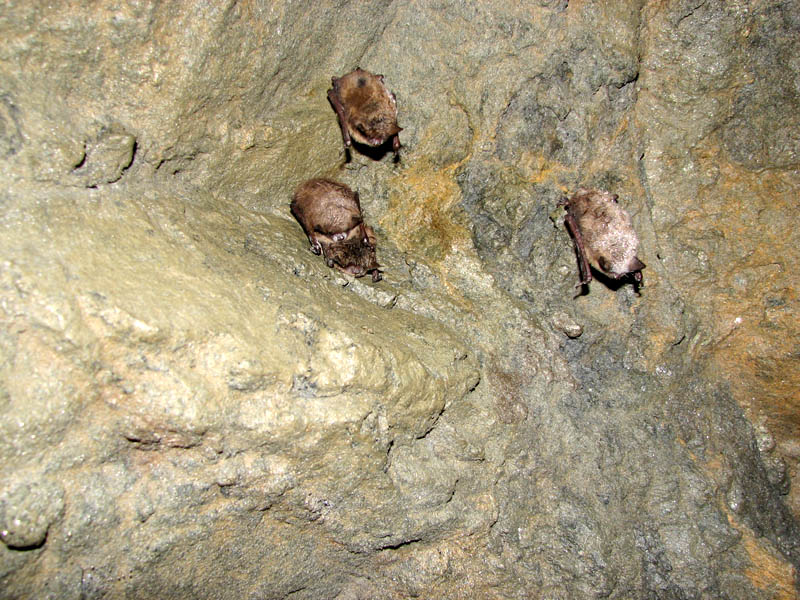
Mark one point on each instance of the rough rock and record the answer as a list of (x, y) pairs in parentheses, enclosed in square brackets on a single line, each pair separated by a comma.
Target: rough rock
[(193, 405)]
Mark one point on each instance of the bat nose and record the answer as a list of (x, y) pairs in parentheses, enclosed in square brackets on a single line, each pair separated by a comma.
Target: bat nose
[(356, 270)]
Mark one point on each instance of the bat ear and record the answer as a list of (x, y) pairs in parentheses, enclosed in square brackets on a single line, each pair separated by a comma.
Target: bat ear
[(364, 236), (636, 264)]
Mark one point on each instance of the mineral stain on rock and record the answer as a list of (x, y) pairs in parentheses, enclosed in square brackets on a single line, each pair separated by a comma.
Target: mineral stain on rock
[(423, 211)]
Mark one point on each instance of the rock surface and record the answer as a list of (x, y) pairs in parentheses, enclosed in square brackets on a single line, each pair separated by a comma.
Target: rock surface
[(193, 405)]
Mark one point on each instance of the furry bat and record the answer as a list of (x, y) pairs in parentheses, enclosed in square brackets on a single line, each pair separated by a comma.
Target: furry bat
[(367, 111), (330, 214), (603, 234)]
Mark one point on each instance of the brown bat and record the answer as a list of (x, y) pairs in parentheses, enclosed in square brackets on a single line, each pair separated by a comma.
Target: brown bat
[(367, 111), (603, 234), (330, 214)]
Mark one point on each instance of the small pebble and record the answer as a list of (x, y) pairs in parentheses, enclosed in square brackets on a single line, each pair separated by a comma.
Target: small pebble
[(564, 323)]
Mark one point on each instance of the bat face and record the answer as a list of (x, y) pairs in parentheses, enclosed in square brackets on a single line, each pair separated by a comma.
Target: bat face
[(367, 110), (354, 256), (330, 214), (603, 234), (372, 129)]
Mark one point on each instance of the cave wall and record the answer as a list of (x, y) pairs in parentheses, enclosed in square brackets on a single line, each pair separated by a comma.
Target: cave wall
[(194, 405)]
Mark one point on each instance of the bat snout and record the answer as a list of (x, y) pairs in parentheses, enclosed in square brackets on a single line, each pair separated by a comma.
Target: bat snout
[(355, 270)]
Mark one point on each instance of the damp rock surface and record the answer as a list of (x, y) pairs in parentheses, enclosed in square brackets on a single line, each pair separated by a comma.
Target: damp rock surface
[(194, 405)]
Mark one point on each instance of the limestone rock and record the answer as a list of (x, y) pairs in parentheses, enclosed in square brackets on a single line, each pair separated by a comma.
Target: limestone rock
[(27, 510), (194, 405)]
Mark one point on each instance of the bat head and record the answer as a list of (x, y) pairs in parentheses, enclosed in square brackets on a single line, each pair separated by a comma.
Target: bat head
[(354, 256)]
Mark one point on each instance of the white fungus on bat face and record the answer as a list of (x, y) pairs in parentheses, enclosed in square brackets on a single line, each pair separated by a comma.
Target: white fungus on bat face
[(603, 234)]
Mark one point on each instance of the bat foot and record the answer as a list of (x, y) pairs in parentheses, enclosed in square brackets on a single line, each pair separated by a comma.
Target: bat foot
[(582, 290), (582, 286)]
